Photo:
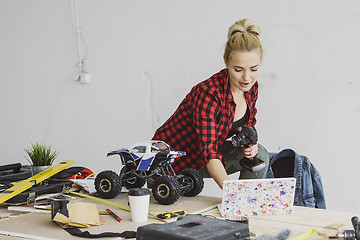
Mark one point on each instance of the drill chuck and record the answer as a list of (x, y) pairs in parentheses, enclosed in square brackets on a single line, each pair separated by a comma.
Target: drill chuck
[(247, 136), (347, 235)]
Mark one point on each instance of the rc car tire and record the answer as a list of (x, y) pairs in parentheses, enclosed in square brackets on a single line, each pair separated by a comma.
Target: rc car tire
[(195, 179), (108, 184), (133, 182), (166, 190)]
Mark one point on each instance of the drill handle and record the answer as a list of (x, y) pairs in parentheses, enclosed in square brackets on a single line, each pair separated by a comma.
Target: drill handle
[(356, 224)]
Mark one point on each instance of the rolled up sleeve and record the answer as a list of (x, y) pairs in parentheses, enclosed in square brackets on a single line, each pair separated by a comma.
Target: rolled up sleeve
[(205, 115)]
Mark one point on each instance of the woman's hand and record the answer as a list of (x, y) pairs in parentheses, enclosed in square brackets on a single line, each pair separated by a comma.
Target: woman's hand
[(251, 151)]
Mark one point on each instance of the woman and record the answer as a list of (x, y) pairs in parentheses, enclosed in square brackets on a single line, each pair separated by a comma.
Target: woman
[(215, 109)]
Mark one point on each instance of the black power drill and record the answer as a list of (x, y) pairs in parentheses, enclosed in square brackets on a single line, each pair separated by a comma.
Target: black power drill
[(351, 234), (245, 137)]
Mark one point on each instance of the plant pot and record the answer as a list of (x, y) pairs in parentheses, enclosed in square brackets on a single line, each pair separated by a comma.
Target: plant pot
[(37, 169)]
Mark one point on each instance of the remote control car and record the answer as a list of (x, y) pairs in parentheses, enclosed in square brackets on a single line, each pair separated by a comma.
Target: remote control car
[(150, 162)]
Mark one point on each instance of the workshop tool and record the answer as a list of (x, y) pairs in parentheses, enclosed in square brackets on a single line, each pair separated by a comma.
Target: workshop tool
[(13, 172), (168, 215), (15, 167), (113, 215), (351, 234), (246, 137), (110, 203), (29, 196), (101, 200), (21, 186)]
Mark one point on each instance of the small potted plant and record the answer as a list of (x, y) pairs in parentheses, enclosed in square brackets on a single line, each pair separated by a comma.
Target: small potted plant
[(40, 157)]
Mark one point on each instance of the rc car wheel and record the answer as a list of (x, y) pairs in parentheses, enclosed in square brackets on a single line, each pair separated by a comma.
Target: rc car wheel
[(166, 190), (193, 180), (108, 184), (130, 180)]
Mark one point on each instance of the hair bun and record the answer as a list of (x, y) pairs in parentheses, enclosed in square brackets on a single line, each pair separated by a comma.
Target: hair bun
[(243, 36), (245, 25)]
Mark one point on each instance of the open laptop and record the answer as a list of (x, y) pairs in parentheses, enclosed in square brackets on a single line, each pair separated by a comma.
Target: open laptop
[(242, 198)]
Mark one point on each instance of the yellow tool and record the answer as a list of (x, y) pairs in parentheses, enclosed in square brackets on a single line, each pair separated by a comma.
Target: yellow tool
[(21, 186), (110, 203), (167, 215), (101, 200), (306, 235)]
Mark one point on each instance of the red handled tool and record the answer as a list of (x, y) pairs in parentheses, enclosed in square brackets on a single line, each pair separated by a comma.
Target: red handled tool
[(113, 215)]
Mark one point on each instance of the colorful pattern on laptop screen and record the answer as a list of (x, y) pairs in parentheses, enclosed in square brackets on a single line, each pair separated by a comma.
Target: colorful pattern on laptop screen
[(258, 197)]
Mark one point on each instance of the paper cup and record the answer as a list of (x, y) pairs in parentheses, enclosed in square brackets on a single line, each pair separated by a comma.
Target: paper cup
[(139, 199)]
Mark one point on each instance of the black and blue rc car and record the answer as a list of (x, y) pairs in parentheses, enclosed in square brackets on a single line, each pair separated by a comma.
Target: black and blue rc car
[(150, 162)]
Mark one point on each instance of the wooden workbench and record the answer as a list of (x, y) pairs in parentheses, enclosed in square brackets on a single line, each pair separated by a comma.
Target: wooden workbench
[(39, 226)]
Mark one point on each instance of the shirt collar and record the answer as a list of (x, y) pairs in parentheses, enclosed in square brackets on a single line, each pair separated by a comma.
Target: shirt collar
[(228, 93)]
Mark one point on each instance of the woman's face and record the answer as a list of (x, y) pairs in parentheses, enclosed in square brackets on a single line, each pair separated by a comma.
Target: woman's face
[(243, 69)]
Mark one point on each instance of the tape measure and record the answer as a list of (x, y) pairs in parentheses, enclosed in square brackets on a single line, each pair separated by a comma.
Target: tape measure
[(167, 215)]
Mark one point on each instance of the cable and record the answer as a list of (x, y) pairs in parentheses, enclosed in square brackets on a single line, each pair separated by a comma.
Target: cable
[(80, 40)]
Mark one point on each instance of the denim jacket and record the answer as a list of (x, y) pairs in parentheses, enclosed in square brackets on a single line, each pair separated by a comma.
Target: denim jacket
[(309, 189)]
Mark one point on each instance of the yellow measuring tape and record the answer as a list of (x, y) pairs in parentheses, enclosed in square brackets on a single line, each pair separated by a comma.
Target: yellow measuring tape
[(110, 203), (101, 200)]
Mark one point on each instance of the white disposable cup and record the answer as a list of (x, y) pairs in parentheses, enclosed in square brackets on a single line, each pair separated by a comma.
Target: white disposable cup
[(139, 199)]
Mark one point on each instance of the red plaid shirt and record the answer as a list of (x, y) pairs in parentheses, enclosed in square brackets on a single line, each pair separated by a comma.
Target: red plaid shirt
[(203, 120)]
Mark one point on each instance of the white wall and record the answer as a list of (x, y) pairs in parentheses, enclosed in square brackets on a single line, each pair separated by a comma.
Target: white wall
[(144, 56)]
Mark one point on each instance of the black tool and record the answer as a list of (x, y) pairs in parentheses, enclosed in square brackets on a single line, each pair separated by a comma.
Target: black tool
[(13, 172), (247, 136), (351, 234)]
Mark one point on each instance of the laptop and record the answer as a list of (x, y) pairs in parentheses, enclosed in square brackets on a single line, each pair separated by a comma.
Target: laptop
[(243, 198)]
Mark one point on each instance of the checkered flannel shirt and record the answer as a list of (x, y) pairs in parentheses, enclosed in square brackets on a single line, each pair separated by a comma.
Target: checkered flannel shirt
[(203, 120)]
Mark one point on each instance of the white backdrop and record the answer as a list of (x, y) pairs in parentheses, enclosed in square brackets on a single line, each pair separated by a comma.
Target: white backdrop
[(144, 56)]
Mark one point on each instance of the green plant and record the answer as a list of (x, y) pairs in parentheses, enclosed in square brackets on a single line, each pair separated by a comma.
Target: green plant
[(41, 155)]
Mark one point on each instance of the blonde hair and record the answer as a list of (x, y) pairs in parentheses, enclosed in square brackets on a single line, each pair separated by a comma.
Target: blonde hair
[(243, 36)]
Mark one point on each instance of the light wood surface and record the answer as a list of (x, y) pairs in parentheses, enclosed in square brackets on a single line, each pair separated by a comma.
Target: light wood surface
[(35, 225), (327, 223)]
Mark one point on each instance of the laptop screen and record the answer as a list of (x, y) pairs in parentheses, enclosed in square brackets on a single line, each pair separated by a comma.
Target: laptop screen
[(242, 198)]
